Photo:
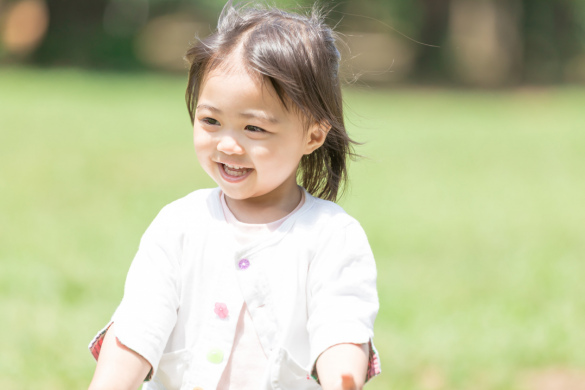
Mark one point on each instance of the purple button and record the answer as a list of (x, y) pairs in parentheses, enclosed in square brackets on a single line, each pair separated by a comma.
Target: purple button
[(244, 263)]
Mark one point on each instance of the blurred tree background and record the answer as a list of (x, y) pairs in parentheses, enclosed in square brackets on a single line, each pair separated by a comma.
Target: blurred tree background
[(485, 43)]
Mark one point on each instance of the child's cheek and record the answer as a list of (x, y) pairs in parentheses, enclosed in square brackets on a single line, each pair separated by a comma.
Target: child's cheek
[(201, 141)]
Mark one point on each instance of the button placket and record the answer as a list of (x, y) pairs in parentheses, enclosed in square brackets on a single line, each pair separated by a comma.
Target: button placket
[(255, 287), (218, 316)]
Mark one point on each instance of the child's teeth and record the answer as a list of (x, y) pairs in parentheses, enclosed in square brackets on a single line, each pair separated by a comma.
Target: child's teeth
[(234, 170)]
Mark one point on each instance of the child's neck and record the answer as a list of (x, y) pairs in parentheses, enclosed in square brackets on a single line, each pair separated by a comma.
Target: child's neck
[(264, 209)]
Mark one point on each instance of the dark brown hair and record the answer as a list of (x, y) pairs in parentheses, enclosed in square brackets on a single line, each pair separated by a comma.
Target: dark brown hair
[(298, 56)]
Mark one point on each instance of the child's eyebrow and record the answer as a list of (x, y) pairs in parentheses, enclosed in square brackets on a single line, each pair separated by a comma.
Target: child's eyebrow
[(260, 115), (210, 108)]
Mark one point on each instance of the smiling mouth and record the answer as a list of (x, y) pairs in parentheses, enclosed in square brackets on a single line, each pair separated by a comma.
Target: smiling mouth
[(234, 171)]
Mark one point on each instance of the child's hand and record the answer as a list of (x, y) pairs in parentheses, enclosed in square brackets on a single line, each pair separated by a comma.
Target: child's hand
[(348, 362)]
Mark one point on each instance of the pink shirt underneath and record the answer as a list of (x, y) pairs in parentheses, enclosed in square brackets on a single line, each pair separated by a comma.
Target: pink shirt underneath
[(247, 361)]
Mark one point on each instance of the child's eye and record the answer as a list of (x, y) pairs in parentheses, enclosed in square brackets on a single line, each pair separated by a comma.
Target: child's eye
[(210, 121), (255, 129)]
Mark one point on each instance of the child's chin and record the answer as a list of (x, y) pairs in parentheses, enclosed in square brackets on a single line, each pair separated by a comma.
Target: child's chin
[(235, 195)]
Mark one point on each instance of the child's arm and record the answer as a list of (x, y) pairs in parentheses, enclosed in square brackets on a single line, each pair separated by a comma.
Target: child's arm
[(118, 367), (343, 367)]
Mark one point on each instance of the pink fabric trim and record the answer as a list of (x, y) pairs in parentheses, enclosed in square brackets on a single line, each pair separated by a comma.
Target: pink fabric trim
[(95, 346), (374, 367)]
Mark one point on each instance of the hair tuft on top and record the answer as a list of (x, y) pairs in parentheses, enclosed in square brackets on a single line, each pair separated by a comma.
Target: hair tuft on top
[(297, 55)]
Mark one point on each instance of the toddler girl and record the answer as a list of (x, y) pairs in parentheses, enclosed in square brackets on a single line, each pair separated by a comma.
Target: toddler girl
[(259, 283)]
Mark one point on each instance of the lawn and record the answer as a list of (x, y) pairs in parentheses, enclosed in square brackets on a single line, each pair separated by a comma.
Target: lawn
[(474, 203)]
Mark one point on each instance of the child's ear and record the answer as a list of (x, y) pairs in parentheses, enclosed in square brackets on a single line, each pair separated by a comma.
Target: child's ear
[(316, 136)]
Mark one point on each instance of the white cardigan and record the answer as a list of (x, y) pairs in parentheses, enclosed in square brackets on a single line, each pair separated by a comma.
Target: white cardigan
[(309, 286)]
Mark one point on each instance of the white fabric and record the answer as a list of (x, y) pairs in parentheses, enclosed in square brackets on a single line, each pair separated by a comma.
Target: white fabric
[(310, 285), (247, 360), (246, 233)]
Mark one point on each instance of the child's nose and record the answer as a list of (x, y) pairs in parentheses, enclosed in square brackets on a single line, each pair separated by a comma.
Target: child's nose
[(228, 144)]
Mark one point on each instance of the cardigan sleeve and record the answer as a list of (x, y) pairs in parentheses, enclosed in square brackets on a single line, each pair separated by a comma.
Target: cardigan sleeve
[(148, 312), (342, 298)]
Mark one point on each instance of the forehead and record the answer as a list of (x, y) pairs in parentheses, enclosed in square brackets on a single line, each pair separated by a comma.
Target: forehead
[(237, 87), (232, 82)]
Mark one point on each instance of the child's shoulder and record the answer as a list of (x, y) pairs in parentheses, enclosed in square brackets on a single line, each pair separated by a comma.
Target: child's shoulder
[(328, 213), (189, 211), (330, 224)]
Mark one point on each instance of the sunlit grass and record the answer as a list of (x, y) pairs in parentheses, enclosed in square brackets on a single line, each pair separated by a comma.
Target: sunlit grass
[(473, 202)]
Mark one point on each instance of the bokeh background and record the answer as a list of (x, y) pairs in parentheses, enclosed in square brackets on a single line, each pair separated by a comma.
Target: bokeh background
[(471, 188)]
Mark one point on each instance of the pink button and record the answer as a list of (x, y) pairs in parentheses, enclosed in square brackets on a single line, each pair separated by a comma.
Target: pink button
[(221, 310), (244, 263)]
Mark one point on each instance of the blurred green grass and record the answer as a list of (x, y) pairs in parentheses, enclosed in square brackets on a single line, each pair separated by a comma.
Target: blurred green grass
[(474, 203)]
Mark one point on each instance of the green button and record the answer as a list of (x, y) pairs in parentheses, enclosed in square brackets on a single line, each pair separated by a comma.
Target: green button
[(215, 356)]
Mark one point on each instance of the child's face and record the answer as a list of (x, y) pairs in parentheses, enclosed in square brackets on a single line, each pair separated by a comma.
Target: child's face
[(247, 141)]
